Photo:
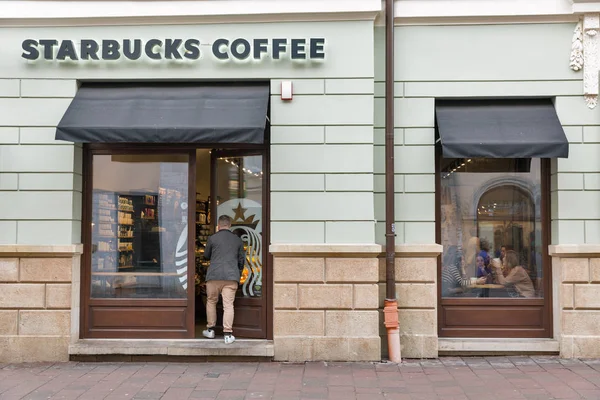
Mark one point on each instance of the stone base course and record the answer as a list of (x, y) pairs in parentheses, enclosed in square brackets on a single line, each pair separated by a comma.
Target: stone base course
[(326, 302), (35, 302), (577, 306)]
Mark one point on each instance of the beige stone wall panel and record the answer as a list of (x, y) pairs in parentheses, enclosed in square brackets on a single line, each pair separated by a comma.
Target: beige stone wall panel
[(298, 269), (366, 296), (595, 270), (298, 323), (294, 349), (586, 347), (285, 296), (587, 296), (566, 296), (410, 269), (325, 296), (19, 295), (46, 269), (351, 270), (416, 295), (422, 322), (43, 322), (575, 270), (9, 270), (58, 295), (364, 349), (581, 323), (15, 349), (352, 323), (8, 322), (331, 349)]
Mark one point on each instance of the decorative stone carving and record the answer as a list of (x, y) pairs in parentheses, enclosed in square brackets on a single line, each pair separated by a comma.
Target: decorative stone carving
[(585, 55), (591, 44), (577, 48)]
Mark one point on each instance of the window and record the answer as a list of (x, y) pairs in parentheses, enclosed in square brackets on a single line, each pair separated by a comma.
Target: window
[(491, 228), (139, 226)]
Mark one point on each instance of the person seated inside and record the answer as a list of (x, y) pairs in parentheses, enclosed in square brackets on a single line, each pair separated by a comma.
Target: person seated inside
[(483, 270), (514, 276), (453, 272)]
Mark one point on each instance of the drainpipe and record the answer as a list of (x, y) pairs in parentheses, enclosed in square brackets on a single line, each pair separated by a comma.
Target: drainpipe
[(390, 309)]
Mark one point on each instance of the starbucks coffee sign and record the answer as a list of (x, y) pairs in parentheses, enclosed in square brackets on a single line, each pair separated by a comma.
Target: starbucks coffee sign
[(222, 49)]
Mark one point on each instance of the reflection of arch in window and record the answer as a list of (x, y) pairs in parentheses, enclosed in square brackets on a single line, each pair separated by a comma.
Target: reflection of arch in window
[(506, 216)]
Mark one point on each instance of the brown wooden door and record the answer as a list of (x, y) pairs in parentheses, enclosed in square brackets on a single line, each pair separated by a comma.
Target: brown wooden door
[(238, 189), (483, 206), (137, 275)]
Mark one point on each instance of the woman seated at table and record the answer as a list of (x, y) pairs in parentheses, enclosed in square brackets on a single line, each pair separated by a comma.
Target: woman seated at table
[(516, 276)]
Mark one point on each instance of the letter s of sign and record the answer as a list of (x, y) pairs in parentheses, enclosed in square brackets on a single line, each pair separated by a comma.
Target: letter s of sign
[(30, 49), (192, 49)]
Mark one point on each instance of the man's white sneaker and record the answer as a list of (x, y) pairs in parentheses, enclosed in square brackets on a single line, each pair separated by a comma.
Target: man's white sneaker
[(229, 339), (208, 333)]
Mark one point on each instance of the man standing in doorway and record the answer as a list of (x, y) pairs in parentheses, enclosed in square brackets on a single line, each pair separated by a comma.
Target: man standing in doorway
[(225, 250)]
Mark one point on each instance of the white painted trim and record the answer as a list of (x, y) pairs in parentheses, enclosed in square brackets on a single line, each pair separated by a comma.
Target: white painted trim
[(574, 250), (480, 8), (496, 346), (36, 12)]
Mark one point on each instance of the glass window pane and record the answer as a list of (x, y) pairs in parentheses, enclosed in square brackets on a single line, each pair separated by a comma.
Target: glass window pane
[(139, 226), (239, 195), (491, 228)]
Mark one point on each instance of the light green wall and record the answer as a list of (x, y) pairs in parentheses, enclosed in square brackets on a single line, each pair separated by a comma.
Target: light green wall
[(522, 60), (322, 140)]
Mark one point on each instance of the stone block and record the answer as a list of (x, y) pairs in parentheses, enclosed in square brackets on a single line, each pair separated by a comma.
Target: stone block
[(587, 296), (42, 322), (352, 323), (422, 269), (17, 295), (48, 88), (58, 295), (9, 269), (575, 269), (285, 296), (586, 347), (430, 347), (595, 270), (366, 296), (46, 269), (351, 270), (18, 349), (8, 322), (298, 269), (566, 346), (566, 296), (350, 232), (294, 349), (416, 295), (301, 323), (331, 349), (422, 322), (324, 296), (364, 349), (581, 322), (411, 346)]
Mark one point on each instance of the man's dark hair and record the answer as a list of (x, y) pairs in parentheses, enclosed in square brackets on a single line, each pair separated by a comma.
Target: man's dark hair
[(224, 220)]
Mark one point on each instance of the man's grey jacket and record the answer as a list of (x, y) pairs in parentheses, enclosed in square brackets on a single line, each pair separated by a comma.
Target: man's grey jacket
[(225, 250)]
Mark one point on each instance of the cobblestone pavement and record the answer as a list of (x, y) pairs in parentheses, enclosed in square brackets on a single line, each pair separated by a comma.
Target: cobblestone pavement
[(447, 378)]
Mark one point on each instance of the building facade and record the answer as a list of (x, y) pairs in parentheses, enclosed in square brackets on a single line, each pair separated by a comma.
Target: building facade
[(111, 177)]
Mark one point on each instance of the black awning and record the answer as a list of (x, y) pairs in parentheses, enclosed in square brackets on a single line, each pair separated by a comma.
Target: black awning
[(161, 113), (500, 129)]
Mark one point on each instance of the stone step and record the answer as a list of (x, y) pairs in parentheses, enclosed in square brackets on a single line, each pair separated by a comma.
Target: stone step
[(173, 347)]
